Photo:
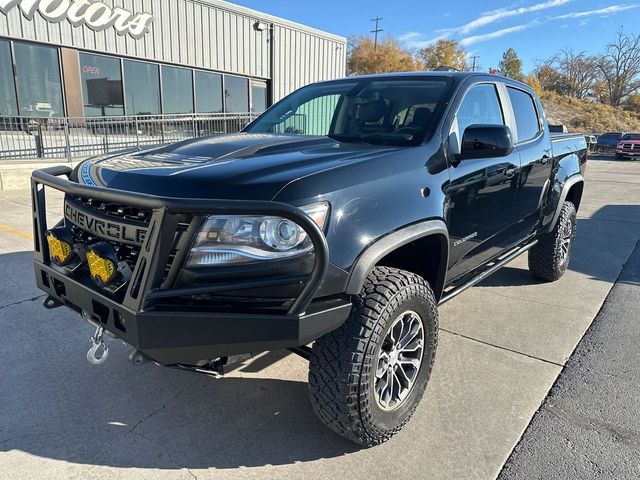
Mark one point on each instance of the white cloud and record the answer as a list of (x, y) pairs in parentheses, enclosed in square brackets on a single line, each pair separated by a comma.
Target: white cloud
[(465, 42), (488, 18), (601, 12), (416, 40), (410, 37)]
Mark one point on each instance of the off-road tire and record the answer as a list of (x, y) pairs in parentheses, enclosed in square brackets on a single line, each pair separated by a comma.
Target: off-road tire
[(342, 370), (546, 260)]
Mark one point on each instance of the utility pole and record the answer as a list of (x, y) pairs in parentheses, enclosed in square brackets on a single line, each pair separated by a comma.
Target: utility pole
[(474, 58), (376, 31)]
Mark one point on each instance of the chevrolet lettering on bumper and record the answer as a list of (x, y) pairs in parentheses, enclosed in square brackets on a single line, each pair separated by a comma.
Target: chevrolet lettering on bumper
[(104, 227)]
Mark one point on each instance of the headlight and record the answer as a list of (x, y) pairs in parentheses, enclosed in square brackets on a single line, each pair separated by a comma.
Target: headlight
[(232, 239)]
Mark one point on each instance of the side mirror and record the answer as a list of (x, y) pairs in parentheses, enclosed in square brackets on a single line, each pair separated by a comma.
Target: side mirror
[(486, 141)]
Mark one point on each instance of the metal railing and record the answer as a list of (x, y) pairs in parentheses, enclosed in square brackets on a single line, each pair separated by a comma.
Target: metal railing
[(71, 137)]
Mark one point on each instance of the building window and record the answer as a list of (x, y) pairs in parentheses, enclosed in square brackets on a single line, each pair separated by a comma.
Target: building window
[(142, 88), (8, 107), (39, 83), (258, 97), (236, 93), (208, 92), (101, 85), (177, 90)]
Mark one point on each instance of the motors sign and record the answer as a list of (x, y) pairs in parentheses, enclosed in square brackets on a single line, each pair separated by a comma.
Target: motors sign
[(95, 14)]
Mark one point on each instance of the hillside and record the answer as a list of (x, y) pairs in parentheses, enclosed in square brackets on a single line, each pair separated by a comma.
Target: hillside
[(585, 116)]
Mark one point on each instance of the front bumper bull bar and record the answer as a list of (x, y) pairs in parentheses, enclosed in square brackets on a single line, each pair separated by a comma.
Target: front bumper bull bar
[(184, 336)]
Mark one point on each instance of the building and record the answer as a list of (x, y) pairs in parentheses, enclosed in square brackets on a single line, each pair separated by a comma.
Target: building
[(105, 58)]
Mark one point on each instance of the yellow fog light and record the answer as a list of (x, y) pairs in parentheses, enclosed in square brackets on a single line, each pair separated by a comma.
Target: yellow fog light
[(103, 263), (60, 249)]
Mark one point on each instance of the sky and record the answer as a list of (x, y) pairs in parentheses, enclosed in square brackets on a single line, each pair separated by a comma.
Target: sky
[(536, 29)]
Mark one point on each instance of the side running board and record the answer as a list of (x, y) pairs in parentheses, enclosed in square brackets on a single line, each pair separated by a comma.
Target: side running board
[(491, 268)]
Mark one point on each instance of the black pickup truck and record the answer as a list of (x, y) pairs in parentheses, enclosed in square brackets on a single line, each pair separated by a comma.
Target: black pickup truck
[(342, 217)]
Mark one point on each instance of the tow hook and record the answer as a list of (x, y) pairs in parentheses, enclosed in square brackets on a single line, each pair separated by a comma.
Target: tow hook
[(93, 357)]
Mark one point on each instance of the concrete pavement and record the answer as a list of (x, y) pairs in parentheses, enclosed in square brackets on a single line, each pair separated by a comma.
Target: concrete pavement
[(502, 346), (590, 423)]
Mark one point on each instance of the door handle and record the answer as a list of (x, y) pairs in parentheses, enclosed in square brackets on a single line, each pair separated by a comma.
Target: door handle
[(545, 160), (510, 172)]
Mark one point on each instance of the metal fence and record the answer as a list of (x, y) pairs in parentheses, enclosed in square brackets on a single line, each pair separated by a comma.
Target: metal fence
[(67, 137)]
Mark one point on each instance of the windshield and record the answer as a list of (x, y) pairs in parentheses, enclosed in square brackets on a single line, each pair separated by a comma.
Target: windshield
[(609, 137), (631, 136), (390, 111)]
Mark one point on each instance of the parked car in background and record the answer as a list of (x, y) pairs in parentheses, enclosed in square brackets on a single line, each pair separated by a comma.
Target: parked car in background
[(591, 140), (558, 129), (607, 142), (629, 146)]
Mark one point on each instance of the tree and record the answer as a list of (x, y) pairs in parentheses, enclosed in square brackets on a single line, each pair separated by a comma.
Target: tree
[(620, 67), (549, 78), (578, 73), (363, 57), (632, 103), (533, 82), (443, 53), (511, 65)]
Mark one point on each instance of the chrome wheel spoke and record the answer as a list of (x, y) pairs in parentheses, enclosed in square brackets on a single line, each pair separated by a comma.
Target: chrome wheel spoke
[(383, 362), (398, 361)]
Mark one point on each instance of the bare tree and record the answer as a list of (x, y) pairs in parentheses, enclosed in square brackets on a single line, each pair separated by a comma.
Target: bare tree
[(620, 67), (579, 72)]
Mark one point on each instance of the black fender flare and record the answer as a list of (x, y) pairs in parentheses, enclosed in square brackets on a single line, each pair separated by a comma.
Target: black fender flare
[(387, 244), (568, 184)]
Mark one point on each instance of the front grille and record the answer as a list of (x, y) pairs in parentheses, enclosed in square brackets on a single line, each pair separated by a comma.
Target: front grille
[(183, 226), (120, 212), (631, 146)]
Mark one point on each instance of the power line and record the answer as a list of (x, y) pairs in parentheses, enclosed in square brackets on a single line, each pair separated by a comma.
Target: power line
[(376, 31)]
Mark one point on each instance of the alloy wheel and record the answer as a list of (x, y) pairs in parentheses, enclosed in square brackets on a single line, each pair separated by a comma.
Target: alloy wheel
[(399, 360)]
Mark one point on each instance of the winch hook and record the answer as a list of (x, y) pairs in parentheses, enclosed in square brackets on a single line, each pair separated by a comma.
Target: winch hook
[(97, 345)]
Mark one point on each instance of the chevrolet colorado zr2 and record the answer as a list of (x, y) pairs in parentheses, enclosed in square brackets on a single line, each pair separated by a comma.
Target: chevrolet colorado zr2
[(333, 225)]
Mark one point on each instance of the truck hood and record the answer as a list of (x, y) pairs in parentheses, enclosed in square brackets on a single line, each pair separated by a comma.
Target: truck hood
[(240, 166)]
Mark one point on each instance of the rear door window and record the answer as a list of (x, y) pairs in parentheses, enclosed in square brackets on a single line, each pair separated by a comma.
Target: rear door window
[(527, 121)]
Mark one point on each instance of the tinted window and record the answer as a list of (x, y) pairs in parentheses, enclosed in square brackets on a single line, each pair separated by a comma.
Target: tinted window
[(236, 92), (394, 111), (39, 83), (609, 139), (177, 90), (526, 115), (258, 97), (480, 106), (101, 85), (631, 136), (142, 87), (8, 105), (208, 92)]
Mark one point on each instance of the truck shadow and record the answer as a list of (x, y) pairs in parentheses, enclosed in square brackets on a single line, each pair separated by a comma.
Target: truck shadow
[(603, 244), (55, 405)]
